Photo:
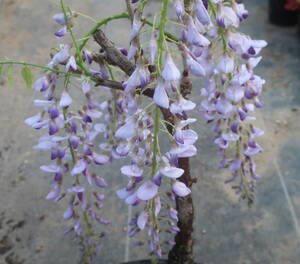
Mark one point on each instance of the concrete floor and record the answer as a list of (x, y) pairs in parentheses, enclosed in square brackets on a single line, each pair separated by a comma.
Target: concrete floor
[(31, 229)]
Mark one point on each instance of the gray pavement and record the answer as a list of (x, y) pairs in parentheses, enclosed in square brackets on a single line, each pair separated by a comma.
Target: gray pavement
[(226, 231)]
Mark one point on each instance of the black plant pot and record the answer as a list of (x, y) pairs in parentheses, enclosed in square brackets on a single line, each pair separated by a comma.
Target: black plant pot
[(298, 25), (278, 15)]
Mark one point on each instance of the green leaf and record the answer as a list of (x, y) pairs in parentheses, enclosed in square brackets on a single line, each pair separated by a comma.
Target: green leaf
[(10, 76), (27, 77), (298, 1)]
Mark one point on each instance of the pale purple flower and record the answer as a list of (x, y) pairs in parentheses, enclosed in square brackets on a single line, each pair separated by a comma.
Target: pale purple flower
[(62, 32), (252, 150), (41, 84), (68, 213), (157, 205), (132, 170), (241, 76), (179, 8), (180, 189), (173, 214), (136, 25), (128, 130), (147, 191), (194, 37), (79, 167), (52, 168), (224, 107), (195, 67), (43, 103), (170, 71), (65, 99), (77, 228), (100, 182), (132, 199), (71, 64), (60, 19), (88, 56), (184, 151), (31, 121), (171, 172), (240, 10), (230, 136), (181, 105), (202, 13), (100, 158), (160, 96), (132, 50), (54, 193), (140, 77), (123, 193), (76, 189), (142, 220), (227, 17), (234, 93), (187, 136), (226, 64), (153, 48), (61, 56)]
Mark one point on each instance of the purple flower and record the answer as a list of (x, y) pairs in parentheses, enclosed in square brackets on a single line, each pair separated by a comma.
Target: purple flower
[(79, 167), (76, 189), (147, 191), (88, 56), (61, 56), (171, 172), (132, 170), (136, 25), (240, 11), (153, 48), (71, 64), (224, 107), (201, 12), (69, 213), (180, 189), (128, 130), (227, 17), (54, 193), (100, 159), (142, 220), (225, 65), (52, 168), (123, 193), (60, 19), (160, 96), (234, 93), (62, 32), (65, 99), (173, 214), (179, 8), (41, 84), (100, 182), (181, 105), (194, 37), (170, 71), (195, 68)]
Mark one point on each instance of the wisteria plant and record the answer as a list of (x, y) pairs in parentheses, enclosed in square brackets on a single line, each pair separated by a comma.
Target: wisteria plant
[(148, 103)]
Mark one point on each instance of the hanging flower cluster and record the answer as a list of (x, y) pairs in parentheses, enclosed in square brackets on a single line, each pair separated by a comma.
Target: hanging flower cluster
[(130, 122)]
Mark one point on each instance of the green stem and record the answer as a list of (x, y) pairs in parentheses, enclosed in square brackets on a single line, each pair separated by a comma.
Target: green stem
[(98, 25), (38, 66), (160, 44)]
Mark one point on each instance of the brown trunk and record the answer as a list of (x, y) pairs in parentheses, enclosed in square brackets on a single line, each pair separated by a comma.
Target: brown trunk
[(182, 252)]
